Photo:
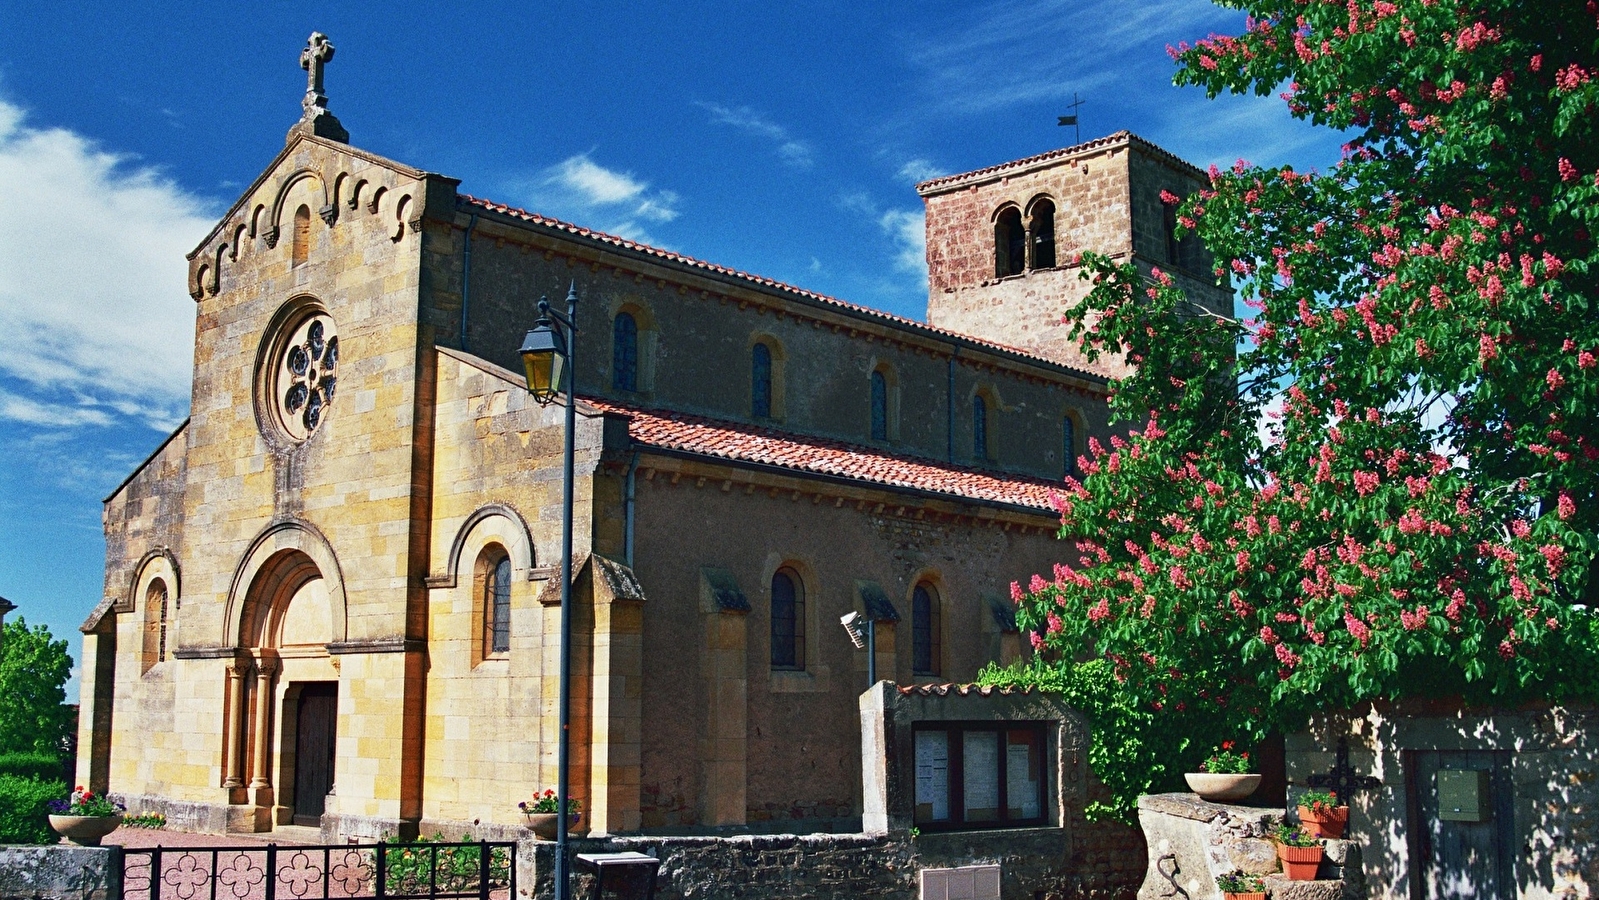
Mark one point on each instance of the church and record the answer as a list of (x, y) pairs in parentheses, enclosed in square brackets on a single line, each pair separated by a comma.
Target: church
[(332, 594)]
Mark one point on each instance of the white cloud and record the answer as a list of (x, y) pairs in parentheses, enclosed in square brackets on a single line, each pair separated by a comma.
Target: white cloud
[(1016, 52), (580, 189), (793, 151), (917, 171), (908, 229), (93, 304)]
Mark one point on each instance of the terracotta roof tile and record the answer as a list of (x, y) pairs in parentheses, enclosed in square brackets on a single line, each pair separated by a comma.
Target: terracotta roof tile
[(960, 690), (943, 182), (802, 453), (773, 284)]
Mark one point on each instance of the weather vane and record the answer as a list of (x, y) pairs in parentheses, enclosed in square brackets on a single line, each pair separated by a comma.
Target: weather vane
[(1072, 119)]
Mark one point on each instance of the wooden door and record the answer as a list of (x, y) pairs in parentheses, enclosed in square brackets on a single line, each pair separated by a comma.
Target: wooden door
[(315, 730), (1458, 860)]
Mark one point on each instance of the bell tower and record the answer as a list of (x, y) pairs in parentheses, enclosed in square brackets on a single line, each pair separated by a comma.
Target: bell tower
[(1003, 242)]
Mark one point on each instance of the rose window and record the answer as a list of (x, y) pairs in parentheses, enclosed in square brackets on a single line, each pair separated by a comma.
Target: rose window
[(307, 373)]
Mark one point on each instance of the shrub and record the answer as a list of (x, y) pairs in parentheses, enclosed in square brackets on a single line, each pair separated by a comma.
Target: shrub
[(24, 804), (37, 765)]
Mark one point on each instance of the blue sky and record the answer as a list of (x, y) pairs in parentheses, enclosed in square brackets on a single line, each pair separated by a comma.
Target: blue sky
[(780, 139)]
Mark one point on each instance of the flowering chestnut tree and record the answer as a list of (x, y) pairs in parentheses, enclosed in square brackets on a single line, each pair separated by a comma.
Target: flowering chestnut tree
[(1381, 481)]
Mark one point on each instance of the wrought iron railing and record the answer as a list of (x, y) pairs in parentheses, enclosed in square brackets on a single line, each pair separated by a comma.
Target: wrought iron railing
[(425, 870)]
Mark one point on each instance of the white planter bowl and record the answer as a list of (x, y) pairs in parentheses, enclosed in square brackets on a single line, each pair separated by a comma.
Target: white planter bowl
[(1219, 788)]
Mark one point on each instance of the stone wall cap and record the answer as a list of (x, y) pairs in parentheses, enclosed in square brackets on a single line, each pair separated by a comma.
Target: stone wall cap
[(945, 689), (1189, 806)]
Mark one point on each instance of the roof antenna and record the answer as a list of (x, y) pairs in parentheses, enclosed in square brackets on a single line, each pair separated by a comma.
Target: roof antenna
[(1072, 119)]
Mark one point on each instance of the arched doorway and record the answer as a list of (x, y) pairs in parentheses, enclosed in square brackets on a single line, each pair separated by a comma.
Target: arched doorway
[(282, 723)]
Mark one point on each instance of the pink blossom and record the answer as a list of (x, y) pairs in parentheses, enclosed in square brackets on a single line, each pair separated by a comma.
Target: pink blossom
[(1357, 628), (1413, 621), (1037, 584), (1267, 636), (1566, 507), (1586, 360), (1037, 640), (1015, 592), (1365, 482), (1286, 656), (1055, 624), (1100, 611), (1568, 172)]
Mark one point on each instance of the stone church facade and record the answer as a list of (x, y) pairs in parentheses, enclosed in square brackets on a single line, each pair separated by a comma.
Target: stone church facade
[(331, 595)]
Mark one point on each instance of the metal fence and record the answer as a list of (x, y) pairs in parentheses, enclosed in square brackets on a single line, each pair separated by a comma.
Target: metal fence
[(425, 870)]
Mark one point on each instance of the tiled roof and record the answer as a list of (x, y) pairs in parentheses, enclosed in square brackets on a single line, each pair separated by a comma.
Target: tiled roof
[(961, 690), (1108, 140), (802, 453), (773, 284)]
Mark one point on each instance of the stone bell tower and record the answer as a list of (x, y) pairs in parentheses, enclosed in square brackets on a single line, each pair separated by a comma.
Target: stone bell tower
[(1003, 242)]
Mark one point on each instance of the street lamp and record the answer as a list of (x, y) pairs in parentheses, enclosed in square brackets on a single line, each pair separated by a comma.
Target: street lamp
[(863, 634), (546, 357)]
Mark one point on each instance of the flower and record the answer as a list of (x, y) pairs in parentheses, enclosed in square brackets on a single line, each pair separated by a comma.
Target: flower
[(546, 802)]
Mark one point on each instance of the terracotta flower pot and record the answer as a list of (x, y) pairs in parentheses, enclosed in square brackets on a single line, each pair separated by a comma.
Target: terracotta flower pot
[(1300, 863), (1244, 895), (1218, 787), (85, 831), (1329, 823), (543, 824)]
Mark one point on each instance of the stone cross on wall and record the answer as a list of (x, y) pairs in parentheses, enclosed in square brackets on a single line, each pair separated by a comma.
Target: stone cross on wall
[(316, 120), (317, 54)]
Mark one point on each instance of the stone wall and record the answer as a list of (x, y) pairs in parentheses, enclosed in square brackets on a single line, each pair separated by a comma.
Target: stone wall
[(1192, 841), (828, 866), (60, 872), (696, 334), (1543, 790)]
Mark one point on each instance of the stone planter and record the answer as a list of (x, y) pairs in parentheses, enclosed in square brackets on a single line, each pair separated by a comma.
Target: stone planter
[(543, 824), (1300, 863), (1329, 823), (1220, 788), (85, 831)]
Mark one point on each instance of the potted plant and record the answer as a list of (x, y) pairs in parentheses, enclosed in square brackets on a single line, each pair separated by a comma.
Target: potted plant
[(1321, 815), (1237, 885), (85, 817), (1300, 852), (542, 811), (1224, 777)]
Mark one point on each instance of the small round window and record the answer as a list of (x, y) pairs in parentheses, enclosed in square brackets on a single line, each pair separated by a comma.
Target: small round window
[(305, 375)]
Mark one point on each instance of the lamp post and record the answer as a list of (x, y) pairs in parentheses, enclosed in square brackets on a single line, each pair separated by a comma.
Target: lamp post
[(547, 358), (863, 636)]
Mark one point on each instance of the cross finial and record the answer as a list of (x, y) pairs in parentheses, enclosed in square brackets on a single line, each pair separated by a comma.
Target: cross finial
[(318, 53), (316, 119)]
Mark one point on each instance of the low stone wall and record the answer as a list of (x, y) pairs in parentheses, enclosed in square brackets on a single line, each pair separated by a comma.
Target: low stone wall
[(60, 872), (1034, 862), (1191, 841)]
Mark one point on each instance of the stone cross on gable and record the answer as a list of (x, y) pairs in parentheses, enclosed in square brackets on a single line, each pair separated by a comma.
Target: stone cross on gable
[(316, 120), (317, 54)]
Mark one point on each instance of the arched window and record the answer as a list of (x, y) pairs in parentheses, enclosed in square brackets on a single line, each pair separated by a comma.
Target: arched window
[(1010, 243), (761, 381), (624, 352), (979, 427), (301, 247), (156, 620), (1068, 434), (1043, 235), (497, 604), (788, 620), (926, 644), (879, 406)]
